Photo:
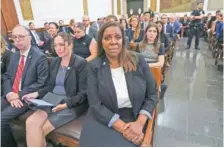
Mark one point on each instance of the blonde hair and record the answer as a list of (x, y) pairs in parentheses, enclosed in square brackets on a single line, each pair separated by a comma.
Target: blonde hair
[(3, 45), (72, 22), (137, 29)]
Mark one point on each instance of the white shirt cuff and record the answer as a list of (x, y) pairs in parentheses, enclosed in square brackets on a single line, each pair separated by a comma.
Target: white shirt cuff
[(144, 112), (113, 119)]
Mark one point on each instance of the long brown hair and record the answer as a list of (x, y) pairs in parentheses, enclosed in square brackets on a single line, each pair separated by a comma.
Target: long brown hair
[(65, 36), (144, 42), (3, 45), (126, 58), (137, 29)]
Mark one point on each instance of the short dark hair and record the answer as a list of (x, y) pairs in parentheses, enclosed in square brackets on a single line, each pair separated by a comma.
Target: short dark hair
[(112, 17), (55, 24), (218, 11), (30, 23), (46, 23), (147, 12)]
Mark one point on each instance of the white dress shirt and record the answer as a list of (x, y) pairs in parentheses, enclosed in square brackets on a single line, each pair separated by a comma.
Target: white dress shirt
[(120, 84), (87, 30), (36, 37)]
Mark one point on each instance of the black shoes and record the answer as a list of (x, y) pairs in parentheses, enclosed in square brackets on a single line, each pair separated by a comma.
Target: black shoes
[(197, 48), (187, 47)]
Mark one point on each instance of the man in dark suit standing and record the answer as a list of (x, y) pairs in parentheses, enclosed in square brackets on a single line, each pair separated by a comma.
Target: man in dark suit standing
[(91, 31), (27, 72)]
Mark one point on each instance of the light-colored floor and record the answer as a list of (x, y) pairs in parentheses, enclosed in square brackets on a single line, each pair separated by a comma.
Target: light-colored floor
[(191, 113)]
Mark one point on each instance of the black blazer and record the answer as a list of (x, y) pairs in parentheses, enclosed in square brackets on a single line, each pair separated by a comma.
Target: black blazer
[(130, 35), (35, 73), (102, 95), (74, 83), (5, 59), (165, 40)]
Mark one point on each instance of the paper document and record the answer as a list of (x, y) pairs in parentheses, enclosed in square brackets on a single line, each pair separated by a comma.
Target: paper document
[(39, 102)]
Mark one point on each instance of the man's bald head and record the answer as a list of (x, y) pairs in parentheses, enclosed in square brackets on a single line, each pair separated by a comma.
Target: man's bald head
[(21, 37), (85, 20)]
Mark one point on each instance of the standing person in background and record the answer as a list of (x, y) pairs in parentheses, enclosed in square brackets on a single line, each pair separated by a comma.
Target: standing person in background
[(53, 30), (70, 27), (84, 45), (195, 26), (88, 29)]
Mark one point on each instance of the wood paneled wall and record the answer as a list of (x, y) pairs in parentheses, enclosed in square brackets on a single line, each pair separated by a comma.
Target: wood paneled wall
[(153, 5), (8, 16)]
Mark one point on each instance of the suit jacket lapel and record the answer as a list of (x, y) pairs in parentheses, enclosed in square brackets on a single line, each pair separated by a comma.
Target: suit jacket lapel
[(130, 86), (28, 59), (107, 78), (71, 63)]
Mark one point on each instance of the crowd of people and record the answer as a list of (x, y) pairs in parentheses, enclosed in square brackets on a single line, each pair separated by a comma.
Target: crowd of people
[(102, 68)]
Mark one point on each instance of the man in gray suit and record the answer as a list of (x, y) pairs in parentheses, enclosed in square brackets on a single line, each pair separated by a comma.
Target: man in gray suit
[(45, 35), (91, 31), (27, 72)]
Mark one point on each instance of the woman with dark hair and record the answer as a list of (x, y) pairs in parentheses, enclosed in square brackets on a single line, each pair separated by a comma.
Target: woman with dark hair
[(84, 45), (67, 80), (163, 38), (53, 30), (70, 27), (124, 24), (151, 48), (121, 93)]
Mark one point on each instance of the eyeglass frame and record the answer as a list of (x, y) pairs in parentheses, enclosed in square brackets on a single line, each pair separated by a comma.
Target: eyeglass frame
[(19, 37)]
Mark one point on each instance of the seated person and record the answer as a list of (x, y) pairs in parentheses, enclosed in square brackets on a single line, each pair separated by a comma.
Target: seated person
[(68, 79), (163, 38), (27, 72), (121, 93), (5, 59), (185, 25), (53, 30), (168, 29), (150, 48), (135, 33), (84, 45)]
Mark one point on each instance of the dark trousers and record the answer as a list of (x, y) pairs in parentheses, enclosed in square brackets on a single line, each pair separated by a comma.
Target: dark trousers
[(194, 31), (7, 114)]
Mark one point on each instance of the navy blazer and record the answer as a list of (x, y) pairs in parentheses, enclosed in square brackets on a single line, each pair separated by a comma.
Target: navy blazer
[(35, 73), (102, 95), (75, 81), (169, 30), (103, 101), (176, 27), (130, 35)]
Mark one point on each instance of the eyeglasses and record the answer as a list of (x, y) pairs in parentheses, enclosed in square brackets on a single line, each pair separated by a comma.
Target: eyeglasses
[(19, 37)]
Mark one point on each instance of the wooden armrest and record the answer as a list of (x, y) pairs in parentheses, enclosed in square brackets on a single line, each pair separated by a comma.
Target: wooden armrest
[(148, 139)]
